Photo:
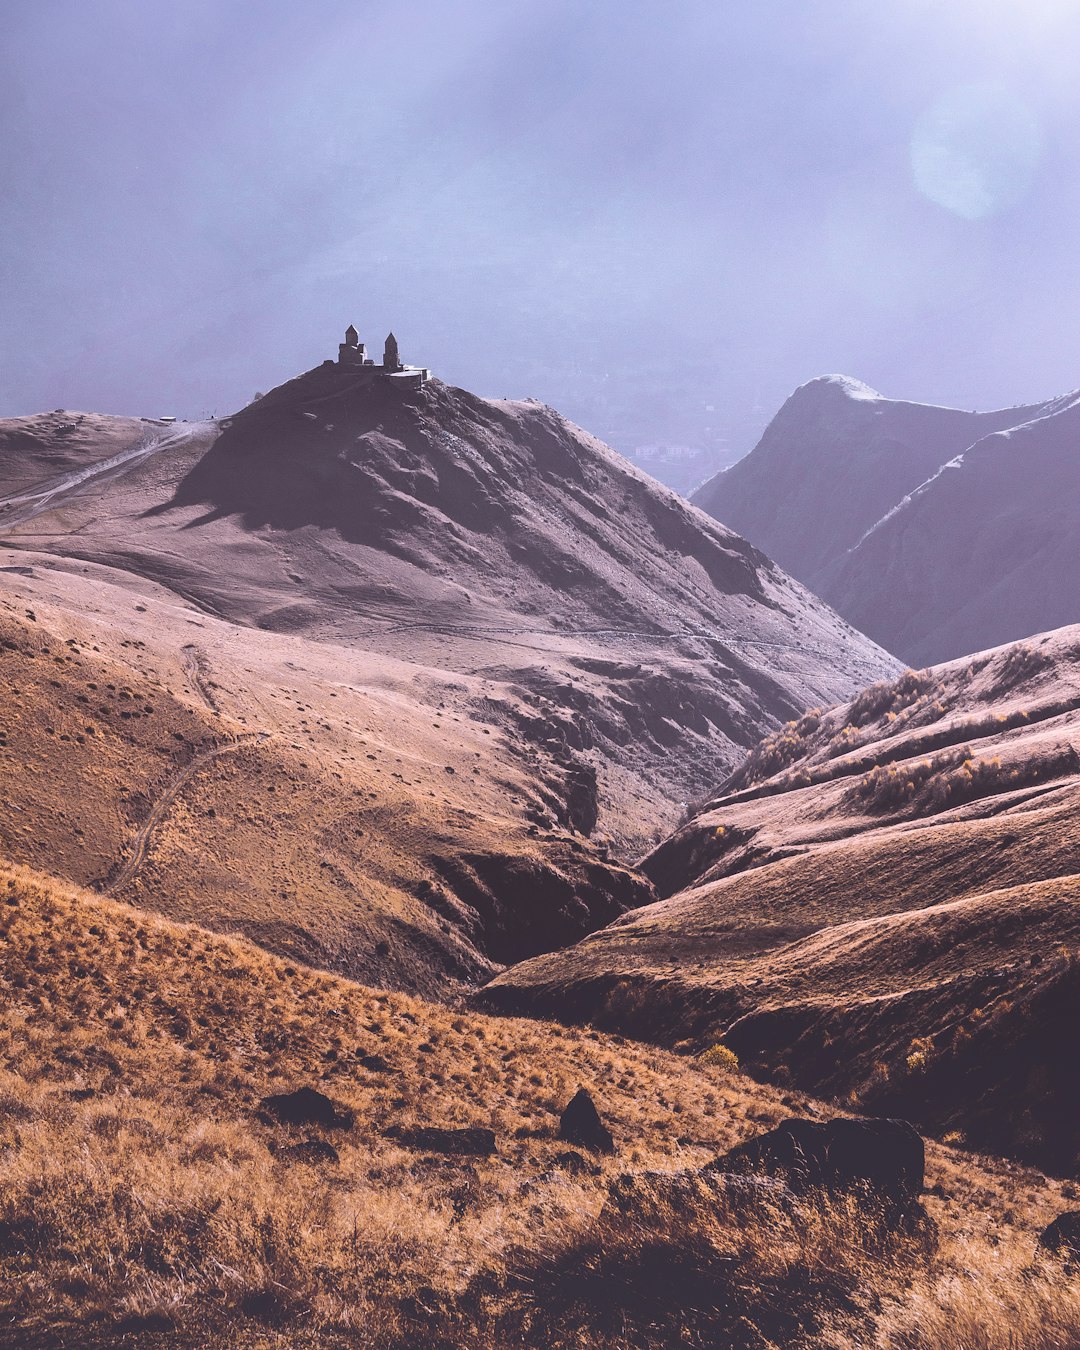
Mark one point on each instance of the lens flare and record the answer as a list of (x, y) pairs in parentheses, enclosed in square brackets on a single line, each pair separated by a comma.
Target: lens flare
[(976, 150)]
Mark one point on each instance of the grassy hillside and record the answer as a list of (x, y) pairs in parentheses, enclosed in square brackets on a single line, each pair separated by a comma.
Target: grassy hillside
[(882, 905), (618, 629), (145, 1195), (363, 816)]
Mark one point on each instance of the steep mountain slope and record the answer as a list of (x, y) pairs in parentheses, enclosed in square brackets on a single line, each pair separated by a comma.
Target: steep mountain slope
[(831, 463), (483, 537), (359, 813), (883, 904), (149, 1195), (982, 553), (846, 490)]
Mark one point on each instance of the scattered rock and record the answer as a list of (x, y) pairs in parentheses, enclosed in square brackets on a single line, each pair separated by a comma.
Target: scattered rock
[(375, 1063), (581, 1124), (884, 1156), (743, 1194), (306, 1106), (1062, 1237), (435, 1139), (154, 1321), (651, 1197), (270, 1304)]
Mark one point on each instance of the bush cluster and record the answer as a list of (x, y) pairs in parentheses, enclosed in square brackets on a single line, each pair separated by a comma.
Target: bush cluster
[(953, 777)]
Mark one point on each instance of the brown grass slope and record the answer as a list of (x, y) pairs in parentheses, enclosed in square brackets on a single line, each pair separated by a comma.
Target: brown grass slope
[(146, 1198), (882, 906), (485, 539), (362, 815)]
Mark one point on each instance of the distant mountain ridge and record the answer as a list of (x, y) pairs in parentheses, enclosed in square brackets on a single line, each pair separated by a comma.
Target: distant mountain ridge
[(848, 491)]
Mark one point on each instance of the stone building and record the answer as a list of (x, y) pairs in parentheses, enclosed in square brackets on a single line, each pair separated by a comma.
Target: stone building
[(352, 355)]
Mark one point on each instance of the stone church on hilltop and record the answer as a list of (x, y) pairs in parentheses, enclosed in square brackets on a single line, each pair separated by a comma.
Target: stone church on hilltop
[(352, 356)]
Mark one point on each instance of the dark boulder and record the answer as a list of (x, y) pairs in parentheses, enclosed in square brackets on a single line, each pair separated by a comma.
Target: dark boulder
[(795, 1151), (886, 1157), (434, 1139), (376, 1063), (1062, 1237), (580, 1124), (306, 1106)]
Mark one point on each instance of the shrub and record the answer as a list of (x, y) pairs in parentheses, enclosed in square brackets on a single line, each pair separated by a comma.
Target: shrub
[(721, 1055), (1021, 662), (889, 696), (777, 751), (919, 1054)]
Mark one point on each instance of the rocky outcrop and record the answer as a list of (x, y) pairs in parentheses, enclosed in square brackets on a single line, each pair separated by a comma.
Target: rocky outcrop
[(308, 1106), (885, 1157), (471, 1141), (1062, 1237), (580, 1124)]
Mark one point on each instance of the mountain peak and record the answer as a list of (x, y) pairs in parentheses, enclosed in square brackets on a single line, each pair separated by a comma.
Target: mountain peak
[(846, 385)]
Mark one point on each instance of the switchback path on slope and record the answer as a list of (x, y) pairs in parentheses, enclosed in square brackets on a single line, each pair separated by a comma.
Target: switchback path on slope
[(127, 869)]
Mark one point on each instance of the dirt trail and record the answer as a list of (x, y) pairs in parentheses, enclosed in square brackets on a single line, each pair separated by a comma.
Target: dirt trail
[(25, 505), (660, 639), (128, 868)]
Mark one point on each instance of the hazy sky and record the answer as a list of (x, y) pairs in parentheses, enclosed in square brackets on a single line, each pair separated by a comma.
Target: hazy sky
[(540, 196)]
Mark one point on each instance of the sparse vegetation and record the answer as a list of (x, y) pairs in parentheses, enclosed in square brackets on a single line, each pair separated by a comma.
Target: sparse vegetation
[(954, 777), (141, 1190), (889, 696), (1022, 662), (918, 1055), (777, 750)]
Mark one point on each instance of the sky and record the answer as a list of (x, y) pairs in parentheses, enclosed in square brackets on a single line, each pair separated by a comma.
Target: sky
[(658, 218)]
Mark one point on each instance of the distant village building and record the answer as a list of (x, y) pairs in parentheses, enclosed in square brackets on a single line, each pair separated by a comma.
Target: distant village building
[(352, 355)]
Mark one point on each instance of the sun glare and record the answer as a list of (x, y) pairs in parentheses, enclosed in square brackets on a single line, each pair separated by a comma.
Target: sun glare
[(976, 150)]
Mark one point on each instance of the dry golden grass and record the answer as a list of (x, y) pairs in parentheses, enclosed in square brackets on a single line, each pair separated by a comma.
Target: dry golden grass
[(142, 1195), (987, 1294), (870, 839)]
